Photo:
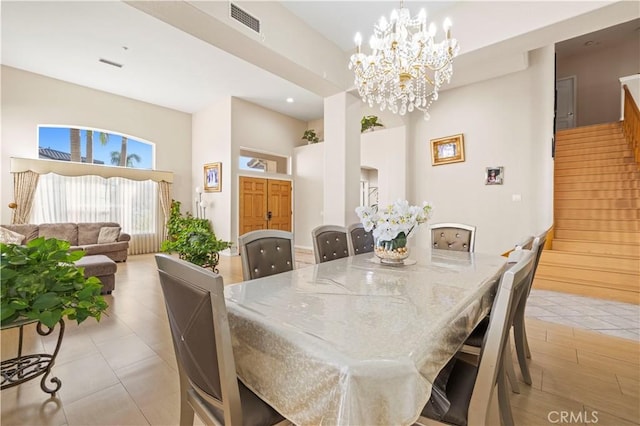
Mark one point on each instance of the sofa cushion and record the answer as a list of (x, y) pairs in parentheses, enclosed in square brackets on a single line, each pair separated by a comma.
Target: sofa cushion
[(7, 236), (88, 232), (29, 231), (108, 234), (61, 231), (92, 249)]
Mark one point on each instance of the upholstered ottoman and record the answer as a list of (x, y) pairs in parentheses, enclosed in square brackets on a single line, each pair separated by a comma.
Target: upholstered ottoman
[(103, 268)]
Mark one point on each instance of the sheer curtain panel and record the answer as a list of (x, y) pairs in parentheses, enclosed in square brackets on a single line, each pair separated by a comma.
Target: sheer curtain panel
[(131, 203)]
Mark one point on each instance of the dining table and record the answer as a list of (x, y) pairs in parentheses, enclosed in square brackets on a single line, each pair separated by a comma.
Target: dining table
[(354, 341)]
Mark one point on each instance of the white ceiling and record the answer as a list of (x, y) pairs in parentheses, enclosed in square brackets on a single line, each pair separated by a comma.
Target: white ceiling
[(163, 65)]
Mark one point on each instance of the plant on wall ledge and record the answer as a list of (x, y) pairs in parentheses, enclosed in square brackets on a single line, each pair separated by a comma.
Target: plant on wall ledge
[(369, 123), (193, 239), (310, 136)]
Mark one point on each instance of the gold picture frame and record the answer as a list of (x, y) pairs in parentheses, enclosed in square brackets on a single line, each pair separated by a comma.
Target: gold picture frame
[(447, 150), (213, 177)]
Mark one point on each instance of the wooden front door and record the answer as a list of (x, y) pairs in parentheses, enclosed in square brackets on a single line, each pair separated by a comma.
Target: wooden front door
[(279, 205), (264, 204)]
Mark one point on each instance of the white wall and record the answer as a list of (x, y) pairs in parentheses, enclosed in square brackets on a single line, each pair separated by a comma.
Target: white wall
[(30, 99), (386, 151), (212, 144), (258, 129), (598, 72), (308, 169), (506, 122)]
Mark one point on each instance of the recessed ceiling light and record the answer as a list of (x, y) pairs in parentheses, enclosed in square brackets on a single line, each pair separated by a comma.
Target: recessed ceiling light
[(290, 100)]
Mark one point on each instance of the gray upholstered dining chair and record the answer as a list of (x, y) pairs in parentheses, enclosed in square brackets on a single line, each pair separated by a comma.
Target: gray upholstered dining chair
[(473, 344), (469, 388), (453, 236), (197, 313), (360, 241), (329, 243), (266, 252), (519, 330)]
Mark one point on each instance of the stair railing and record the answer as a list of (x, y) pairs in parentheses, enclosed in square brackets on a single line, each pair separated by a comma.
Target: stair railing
[(631, 123)]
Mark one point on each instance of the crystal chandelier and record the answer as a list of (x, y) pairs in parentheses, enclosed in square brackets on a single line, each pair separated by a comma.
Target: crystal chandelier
[(407, 66)]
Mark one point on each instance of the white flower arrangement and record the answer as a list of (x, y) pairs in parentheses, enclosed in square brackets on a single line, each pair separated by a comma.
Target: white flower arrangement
[(394, 219)]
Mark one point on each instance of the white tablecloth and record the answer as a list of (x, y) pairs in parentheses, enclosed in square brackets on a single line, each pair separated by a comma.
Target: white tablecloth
[(353, 342)]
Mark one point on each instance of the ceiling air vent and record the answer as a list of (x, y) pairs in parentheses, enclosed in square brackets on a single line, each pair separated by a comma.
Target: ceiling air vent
[(244, 18)]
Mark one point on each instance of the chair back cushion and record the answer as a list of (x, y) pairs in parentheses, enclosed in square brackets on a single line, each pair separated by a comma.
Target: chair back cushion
[(451, 237), (360, 241), (187, 293), (268, 256), (329, 243)]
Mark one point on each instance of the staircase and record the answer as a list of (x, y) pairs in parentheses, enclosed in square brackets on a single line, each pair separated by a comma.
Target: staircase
[(596, 245)]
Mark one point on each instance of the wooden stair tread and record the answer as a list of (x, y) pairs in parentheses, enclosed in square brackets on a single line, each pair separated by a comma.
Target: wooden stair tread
[(614, 280), (604, 262), (587, 289), (596, 245)]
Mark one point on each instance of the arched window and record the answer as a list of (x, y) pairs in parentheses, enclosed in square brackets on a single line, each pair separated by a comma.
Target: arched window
[(94, 146)]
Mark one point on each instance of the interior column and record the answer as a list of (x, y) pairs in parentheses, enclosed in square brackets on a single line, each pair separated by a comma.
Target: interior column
[(342, 114)]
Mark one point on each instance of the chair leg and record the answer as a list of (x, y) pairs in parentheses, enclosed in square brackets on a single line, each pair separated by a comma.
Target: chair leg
[(507, 363), (521, 348), (504, 403), (526, 343)]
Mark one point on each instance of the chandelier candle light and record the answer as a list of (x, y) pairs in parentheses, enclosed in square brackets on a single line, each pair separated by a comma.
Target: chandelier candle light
[(407, 66)]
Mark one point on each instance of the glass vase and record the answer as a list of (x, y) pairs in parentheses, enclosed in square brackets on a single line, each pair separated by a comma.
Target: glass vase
[(392, 252)]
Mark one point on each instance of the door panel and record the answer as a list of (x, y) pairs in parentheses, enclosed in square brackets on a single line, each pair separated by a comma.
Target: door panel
[(264, 204), (565, 114), (253, 204), (279, 204)]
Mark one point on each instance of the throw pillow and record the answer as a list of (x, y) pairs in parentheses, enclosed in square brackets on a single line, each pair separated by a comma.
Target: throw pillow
[(7, 236), (108, 234)]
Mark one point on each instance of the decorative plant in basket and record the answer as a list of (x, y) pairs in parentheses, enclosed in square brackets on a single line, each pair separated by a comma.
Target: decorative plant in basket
[(369, 122), (39, 281), (310, 136), (391, 226), (193, 239)]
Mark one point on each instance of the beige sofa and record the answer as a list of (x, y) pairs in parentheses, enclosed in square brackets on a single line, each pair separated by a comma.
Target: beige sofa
[(82, 236)]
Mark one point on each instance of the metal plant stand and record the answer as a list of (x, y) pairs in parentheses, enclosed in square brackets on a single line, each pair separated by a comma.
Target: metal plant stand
[(26, 367)]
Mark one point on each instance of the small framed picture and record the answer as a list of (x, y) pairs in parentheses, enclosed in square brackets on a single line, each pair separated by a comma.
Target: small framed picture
[(494, 176), (447, 150), (213, 177)]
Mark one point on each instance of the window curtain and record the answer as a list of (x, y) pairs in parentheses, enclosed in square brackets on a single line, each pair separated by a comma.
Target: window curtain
[(131, 203), (24, 188), (164, 188)]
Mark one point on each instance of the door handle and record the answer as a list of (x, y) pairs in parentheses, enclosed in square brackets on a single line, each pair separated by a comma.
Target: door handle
[(269, 215)]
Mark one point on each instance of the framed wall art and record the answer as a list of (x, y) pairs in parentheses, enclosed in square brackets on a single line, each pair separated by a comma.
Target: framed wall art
[(213, 177), (494, 176), (447, 150)]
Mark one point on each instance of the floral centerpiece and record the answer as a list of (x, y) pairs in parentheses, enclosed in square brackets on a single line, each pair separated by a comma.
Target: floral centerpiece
[(391, 226)]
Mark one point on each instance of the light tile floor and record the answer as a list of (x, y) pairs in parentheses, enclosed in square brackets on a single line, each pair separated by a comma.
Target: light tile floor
[(603, 316)]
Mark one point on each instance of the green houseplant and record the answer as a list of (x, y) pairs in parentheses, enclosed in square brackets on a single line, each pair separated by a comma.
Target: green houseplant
[(310, 136), (369, 122), (39, 281), (193, 239)]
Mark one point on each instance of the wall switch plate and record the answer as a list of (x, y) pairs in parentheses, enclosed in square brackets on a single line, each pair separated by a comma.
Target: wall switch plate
[(516, 197)]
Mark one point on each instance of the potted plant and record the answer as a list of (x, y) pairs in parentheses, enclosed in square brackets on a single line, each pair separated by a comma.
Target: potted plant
[(369, 122), (39, 281), (310, 136), (193, 239)]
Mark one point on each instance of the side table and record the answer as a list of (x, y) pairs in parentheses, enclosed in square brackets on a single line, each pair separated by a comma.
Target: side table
[(22, 368)]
